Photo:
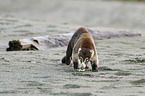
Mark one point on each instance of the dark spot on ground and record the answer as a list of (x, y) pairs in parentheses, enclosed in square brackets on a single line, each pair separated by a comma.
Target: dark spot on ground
[(138, 82), (71, 86), (123, 73)]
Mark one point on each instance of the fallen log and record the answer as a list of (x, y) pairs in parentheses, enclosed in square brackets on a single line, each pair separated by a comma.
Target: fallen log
[(60, 40)]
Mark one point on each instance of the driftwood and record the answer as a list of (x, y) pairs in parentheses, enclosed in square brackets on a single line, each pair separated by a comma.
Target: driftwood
[(16, 45), (60, 40)]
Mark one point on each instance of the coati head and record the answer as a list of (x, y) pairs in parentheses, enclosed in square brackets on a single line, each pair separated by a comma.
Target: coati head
[(84, 56)]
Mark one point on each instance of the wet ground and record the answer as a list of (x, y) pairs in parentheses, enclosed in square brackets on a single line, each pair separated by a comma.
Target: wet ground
[(40, 73)]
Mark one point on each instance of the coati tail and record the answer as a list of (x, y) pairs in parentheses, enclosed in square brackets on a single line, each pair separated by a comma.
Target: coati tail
[(63, 59), (66, 60)]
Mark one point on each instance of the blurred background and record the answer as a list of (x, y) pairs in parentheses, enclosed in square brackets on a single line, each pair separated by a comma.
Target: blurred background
[(122, 14)]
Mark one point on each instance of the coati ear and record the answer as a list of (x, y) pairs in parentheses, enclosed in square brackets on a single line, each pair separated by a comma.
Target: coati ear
[(92, 52), (79, 49)]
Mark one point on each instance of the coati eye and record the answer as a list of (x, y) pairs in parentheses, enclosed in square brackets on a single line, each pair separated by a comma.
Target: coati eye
[(87, 60), (80, 58), (81, 61)]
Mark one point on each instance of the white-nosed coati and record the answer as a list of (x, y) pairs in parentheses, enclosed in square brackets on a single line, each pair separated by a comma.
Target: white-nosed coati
[(81, 49)]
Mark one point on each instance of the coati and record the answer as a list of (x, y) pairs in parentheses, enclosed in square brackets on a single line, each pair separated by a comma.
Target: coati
[(81, 49)]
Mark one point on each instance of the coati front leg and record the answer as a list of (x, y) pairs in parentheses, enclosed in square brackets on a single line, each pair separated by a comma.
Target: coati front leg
[(75, 60), (94, 66), (75, 64), (68, 55)]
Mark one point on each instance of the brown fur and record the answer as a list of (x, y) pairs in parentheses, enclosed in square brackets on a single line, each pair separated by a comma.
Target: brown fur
[(81, 39), (67, 59)]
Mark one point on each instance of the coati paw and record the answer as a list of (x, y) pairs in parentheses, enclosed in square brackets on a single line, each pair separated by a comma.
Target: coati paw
[(81, 70), (95, 70)]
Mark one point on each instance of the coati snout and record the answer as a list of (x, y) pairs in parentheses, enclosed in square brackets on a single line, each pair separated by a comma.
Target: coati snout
[(84, 56)]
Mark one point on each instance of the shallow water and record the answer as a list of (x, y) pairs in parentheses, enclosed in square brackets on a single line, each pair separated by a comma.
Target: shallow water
[(31, 73)]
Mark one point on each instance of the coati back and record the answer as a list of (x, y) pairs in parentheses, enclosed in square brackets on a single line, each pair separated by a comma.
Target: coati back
[(82, 50), (67, 59)]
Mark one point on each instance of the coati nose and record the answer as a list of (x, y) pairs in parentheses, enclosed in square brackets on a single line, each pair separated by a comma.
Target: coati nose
[(83, 65)]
